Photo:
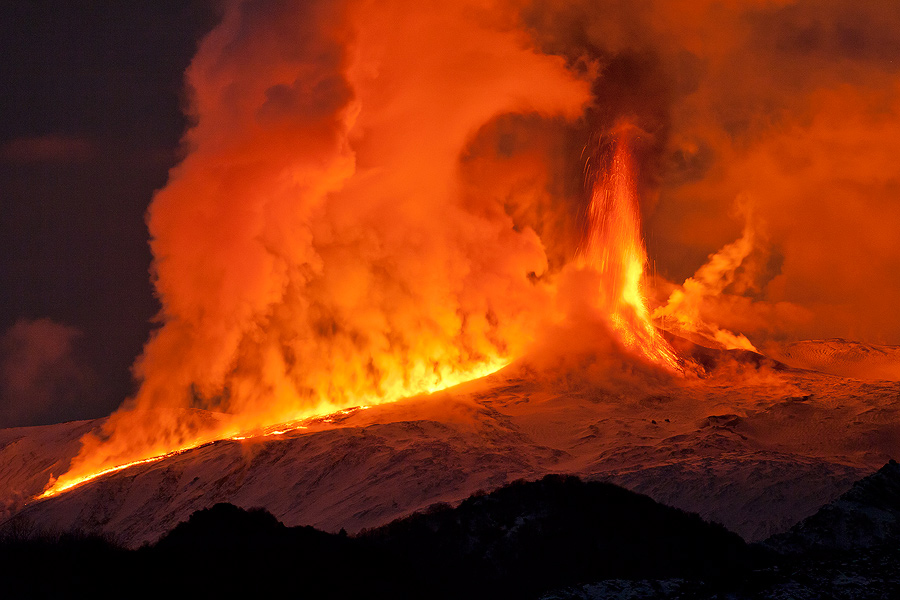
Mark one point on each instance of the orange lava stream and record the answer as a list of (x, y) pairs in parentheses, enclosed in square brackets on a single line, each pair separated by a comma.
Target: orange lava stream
[(68, 482), (615, 249)]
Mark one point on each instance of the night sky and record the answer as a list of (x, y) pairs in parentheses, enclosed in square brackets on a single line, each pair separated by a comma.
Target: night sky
[(90, 122)]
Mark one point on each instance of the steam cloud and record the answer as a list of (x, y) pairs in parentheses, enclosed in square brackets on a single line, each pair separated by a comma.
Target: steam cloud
[(376, 197), (317, 246), (42, 380)]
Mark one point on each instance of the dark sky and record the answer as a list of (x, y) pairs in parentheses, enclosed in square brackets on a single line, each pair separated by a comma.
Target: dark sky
[(90, 121)]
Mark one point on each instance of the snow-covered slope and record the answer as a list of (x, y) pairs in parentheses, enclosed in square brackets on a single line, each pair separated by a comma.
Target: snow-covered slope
[(29, 456), (750, 444), (840, 357)]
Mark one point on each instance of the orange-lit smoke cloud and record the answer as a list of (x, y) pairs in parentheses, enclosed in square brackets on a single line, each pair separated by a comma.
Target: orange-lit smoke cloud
[(376, 195), (795, 103), (687, 310), (318, 246)]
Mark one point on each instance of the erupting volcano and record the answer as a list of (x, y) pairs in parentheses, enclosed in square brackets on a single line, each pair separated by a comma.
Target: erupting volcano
[(402, 254), (613, 248)]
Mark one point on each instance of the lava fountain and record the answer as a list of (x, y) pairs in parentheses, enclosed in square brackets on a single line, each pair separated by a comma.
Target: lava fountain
[(613, 247)]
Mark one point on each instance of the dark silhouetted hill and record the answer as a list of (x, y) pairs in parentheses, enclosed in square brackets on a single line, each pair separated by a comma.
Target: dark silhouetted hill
[(558, 538), (517, 542), (867, 516), (225, 551), (540, 535)]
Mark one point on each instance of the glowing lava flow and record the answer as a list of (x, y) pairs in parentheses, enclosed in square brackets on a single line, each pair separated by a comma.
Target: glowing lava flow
[(615, 249), (55, 490), (64, 484)]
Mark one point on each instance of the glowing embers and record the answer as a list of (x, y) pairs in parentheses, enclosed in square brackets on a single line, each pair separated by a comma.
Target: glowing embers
[(55, 490), (70, 480), (271, 431), (614, 248)]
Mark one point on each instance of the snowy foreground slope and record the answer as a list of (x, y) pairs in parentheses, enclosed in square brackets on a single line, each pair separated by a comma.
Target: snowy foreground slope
[(748, 443)]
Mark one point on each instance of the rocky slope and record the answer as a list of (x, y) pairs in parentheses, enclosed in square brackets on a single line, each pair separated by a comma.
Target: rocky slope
[(743, 441)]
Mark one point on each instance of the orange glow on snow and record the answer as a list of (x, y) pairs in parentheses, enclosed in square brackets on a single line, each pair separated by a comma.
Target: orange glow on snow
[(72, 480)]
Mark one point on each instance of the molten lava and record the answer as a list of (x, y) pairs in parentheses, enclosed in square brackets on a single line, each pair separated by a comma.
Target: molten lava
[(85, 472), (615, 249)]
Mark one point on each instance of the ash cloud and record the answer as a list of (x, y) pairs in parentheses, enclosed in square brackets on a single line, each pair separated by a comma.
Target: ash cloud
[(799, 109), (318, 246)]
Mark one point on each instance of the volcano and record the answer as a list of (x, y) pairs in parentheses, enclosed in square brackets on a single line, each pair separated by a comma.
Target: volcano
[(419, 266), (747, 442)]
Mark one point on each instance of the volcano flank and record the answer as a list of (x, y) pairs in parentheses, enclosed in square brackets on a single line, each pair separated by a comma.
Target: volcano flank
[(471, 299), (747, 442)]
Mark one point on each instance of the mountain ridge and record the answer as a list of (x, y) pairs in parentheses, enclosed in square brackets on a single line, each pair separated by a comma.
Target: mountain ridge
[(747, 442)]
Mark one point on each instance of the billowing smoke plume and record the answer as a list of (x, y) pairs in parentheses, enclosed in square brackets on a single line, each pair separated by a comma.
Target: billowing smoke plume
[(376, 196), (317, 247)]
